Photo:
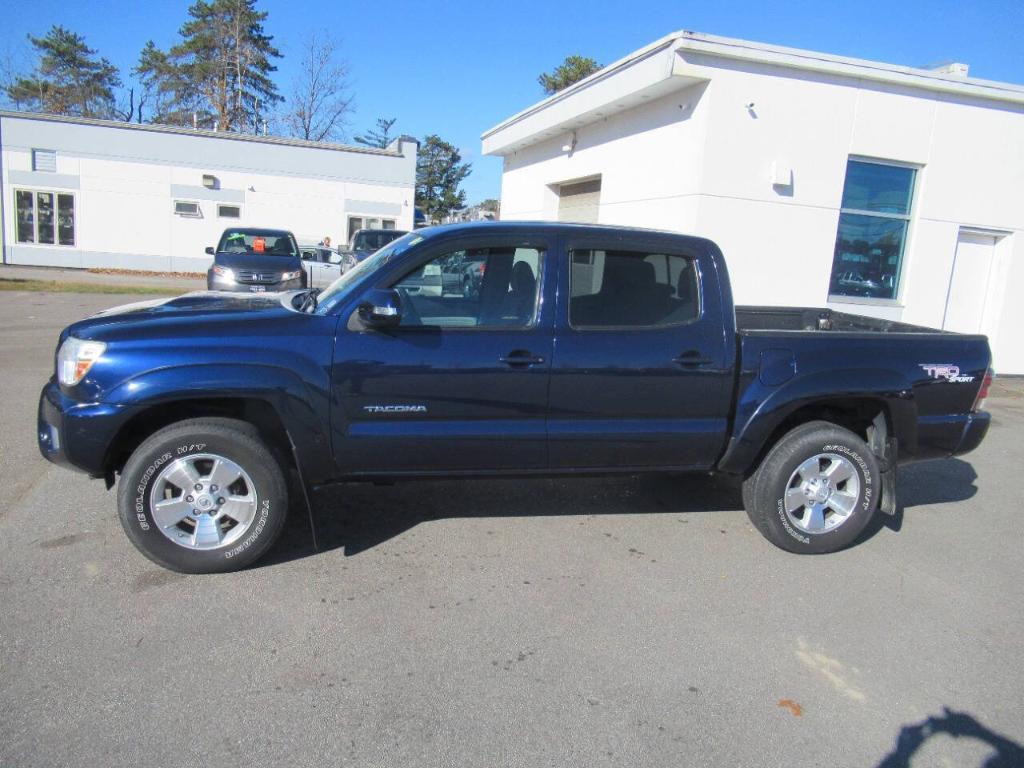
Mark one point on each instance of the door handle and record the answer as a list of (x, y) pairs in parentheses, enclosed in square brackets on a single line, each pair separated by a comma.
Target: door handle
[(692, 359), (520, 358)]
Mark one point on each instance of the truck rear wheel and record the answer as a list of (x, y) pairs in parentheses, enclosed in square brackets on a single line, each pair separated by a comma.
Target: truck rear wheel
[(815, 491), (203, 496)]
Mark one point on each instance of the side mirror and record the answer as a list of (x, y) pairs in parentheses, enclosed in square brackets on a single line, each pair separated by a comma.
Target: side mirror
[(210, 251), (335, 258), (382, 308)]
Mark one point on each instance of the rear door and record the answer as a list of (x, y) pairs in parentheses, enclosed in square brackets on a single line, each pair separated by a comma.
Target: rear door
[(461, 384), (641, 376)]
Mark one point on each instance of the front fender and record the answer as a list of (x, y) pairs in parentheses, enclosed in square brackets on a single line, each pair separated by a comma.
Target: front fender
[(761, 408), (302, 406)]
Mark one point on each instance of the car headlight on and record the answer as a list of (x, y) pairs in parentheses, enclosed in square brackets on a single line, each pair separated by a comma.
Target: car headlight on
[(224, 272), (291, 275), (75, 358)]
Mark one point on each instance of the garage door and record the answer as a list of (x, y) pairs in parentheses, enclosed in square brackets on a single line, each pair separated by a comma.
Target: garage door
[(580, 201)]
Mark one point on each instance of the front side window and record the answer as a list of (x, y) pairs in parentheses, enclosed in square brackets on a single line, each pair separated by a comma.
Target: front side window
[(631, 289), (47, 218), (493, 287), (872, 234)]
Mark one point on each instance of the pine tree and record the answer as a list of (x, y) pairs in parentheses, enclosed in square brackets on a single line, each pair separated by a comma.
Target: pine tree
[(68, 78), (439, 172), (380, 136), (220, 70), (570, 71)]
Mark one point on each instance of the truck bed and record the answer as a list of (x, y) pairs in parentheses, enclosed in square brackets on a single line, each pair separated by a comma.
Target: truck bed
[(754, 318)]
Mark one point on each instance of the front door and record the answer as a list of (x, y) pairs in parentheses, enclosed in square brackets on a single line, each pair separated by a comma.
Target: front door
[(640, 376), (461, 384)]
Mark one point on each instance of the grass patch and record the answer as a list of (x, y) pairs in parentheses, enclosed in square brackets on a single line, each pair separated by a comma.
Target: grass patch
[(54, 286)]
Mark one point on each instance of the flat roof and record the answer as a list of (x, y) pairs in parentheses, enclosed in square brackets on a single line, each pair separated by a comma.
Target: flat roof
[(652, 71), (202, 133)]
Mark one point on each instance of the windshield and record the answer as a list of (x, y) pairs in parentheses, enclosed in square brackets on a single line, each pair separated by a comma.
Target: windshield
[(337, 290), (372, 241), (258, 243)]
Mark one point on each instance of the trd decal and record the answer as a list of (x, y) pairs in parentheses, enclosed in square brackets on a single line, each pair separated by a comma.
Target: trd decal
[(946, 371)]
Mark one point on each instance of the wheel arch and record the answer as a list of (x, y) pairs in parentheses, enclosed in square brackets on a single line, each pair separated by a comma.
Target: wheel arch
[(258, 412)]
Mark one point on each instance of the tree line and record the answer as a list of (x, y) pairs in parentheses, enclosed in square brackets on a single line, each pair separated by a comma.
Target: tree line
[(220, 75)]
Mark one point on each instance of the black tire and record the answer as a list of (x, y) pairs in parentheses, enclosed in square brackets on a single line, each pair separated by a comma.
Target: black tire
[(764, 492), (234, 440)]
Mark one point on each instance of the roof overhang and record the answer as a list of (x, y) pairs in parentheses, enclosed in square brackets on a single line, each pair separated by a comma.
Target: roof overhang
[(682, 59)]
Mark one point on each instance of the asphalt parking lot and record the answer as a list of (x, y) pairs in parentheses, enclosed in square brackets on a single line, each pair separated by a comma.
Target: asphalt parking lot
[(616, 621)]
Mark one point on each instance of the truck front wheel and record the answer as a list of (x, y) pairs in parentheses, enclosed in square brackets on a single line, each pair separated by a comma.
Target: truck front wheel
[(815, 491), (203, 496)]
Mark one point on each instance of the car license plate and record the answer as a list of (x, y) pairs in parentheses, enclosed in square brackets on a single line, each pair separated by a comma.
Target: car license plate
[(257, 288)]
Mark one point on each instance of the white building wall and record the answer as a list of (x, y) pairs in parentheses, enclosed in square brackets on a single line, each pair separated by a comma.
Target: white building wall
[(707, 168), (125, 192)]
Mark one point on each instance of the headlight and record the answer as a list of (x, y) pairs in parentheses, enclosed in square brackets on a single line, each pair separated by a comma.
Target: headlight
[(291, 275), (224, 272), (75, 358)]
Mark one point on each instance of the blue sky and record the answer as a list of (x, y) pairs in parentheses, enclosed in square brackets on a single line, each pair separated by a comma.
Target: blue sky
[(458, 68)]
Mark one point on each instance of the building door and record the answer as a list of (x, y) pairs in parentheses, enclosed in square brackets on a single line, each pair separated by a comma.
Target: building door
[(969, 284), (580, 201)]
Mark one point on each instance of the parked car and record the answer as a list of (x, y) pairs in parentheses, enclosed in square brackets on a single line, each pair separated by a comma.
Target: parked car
[(367, 241), (587, 349), (322, 264), (463, 272), (256, 261)]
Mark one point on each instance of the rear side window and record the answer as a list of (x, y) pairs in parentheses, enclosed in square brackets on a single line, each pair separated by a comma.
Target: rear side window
[(631, 289)]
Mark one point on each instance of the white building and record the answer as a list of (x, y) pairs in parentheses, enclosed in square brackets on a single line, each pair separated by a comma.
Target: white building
[(97, 193), (827, 181)]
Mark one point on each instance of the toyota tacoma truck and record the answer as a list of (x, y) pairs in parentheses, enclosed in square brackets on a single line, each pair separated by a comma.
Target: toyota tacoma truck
[(586, 349)]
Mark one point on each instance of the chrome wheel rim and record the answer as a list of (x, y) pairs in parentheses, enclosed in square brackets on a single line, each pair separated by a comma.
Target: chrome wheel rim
[(203, 502), (822, 493)]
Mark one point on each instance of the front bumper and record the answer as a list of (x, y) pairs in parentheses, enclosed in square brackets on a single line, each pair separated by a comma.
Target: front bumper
[(77, 435)]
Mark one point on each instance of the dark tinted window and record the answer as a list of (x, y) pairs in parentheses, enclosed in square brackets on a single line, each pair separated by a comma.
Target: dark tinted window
[(269, 244), (373, 241), (631, 289), (479, 287)]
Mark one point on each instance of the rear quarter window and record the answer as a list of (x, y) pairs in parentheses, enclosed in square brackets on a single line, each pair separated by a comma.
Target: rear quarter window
[(631, 289)]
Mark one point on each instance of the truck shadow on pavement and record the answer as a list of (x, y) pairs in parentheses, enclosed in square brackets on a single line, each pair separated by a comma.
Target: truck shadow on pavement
[(924, 484), (360, 516), (912, 738)]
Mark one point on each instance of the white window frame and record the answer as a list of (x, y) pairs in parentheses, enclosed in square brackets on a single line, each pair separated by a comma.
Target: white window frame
[(56, 213), (197, 215), (222, 206), (910, 217)]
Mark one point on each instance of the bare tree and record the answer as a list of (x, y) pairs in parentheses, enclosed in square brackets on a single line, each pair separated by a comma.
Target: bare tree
[(320, 101)]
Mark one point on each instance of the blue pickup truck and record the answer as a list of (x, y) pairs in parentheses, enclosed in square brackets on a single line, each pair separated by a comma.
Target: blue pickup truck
[(585, 349)]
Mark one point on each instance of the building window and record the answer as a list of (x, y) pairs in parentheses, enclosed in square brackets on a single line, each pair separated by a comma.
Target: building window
[(229, 211), (355, 223), (872, 236), (46, 218), (187, 208), (44, 160), (387, 223)]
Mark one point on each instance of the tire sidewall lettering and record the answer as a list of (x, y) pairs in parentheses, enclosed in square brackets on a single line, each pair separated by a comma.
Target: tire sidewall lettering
[(254, 534), (867, 489)]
